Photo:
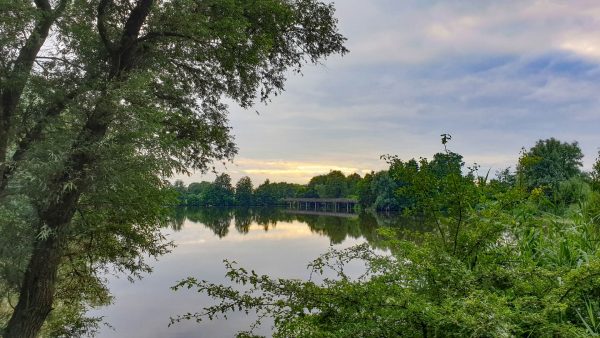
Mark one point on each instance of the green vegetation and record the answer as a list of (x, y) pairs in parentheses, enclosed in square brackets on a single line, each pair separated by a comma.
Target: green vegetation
[(123, 95), (516, 255), (549, 163), (550, 166), (126, 93), (220, 192)]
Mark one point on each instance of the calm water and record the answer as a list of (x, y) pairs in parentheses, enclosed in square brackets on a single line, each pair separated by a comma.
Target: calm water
[(274, 242)]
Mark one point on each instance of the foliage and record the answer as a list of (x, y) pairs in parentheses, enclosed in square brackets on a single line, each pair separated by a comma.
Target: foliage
[(244, 194), (497, 263), (548, 163), (272, 193), (383, 187), (595, 174), (331, 185), (352, 182), (572, 191), (366, 196), (221, 192)]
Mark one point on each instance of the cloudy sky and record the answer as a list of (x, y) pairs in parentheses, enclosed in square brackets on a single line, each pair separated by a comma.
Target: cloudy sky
[(496, 75)]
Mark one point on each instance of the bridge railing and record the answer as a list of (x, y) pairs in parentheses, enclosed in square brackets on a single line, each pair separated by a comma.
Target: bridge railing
[(322, 204)]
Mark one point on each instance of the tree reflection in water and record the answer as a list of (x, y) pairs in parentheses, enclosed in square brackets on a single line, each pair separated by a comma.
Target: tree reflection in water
[(336, 227)]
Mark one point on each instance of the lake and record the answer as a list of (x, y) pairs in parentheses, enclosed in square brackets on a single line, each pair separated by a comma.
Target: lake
[(276, 242)]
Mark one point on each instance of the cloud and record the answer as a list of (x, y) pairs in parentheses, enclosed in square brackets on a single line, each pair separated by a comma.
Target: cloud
[(423, 31), (291, 171), (496, 75)]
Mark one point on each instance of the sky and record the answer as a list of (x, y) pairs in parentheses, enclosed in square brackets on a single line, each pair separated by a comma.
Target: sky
[(496, 75)]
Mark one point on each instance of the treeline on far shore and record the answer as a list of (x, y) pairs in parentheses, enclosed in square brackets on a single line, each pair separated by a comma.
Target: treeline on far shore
[(222, 192), (551, 169)]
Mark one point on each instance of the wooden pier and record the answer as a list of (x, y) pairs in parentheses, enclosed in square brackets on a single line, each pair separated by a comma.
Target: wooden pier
[(336, 205)]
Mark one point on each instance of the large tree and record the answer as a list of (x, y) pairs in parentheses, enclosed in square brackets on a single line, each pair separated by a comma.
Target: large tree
[(548, 163), (123, 94)]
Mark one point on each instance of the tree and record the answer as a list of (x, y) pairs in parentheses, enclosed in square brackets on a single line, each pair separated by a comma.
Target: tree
[(221, 192), (548, 163), (196, 188), (366, 197), (444, 164), (126, 93), (181, 190), (272, 193), (595, 174), (383, 188), (244, 192), (352, 182), (196, 193), (331, 185)]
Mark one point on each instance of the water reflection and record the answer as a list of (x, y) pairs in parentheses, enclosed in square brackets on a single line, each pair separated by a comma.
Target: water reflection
[(337, 227), (275, 242)]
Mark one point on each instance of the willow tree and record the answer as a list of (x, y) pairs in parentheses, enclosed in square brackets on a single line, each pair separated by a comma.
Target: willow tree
[(103, 99)]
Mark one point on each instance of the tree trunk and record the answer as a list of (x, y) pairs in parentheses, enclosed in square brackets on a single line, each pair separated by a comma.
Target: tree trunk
[(37, 290), (39, 283)]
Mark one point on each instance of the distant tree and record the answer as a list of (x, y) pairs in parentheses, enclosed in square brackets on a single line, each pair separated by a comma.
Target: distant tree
[(444, 164), (331, 185), (263, 195), (337, 186), (384, 188), (221, 192), (179, 186), (404, 174), (181, 190), (506, 178), (272, 193), (316, 186), (503, 181), (198, 188), (193, 200), (352, 184), (548, 163), (244, 192), (196, 193), (366, 197)]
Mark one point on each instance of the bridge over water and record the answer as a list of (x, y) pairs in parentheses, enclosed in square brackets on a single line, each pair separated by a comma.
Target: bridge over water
[(322, 204)]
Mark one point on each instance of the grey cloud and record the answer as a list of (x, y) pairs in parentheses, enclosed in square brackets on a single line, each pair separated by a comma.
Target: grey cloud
[(496, 75)]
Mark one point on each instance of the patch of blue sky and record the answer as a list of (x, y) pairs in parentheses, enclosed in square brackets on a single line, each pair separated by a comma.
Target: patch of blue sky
[(561, 63)]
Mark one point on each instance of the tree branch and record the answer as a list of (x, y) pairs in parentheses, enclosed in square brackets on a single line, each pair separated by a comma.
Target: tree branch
[(134, 23), (101, 25), (155, 35), (43, 5), (124, 54), (12, 89), (63, 60)]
